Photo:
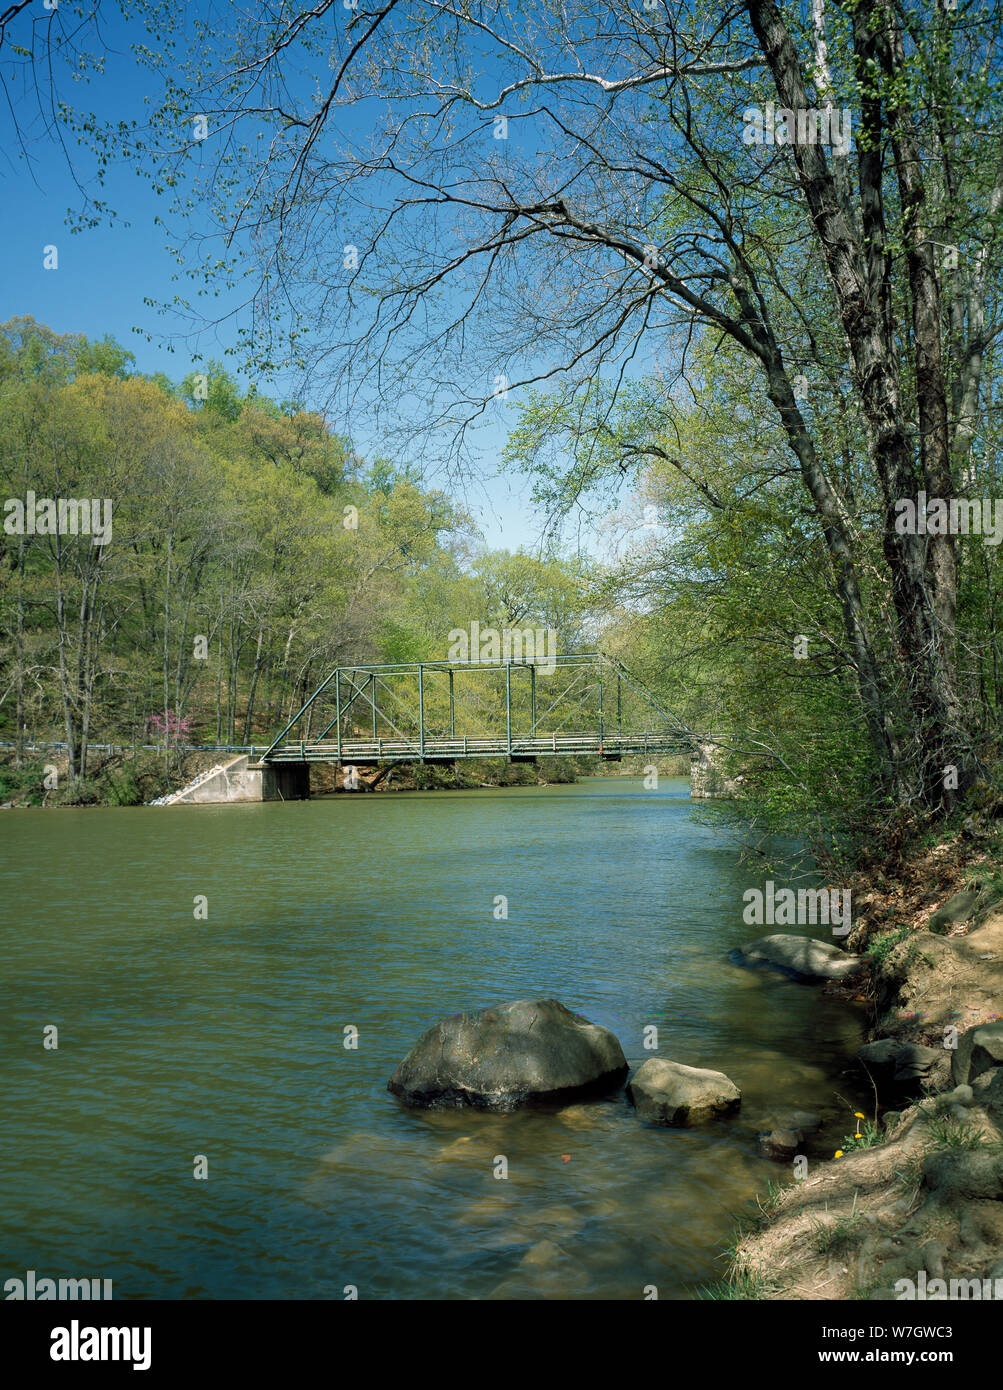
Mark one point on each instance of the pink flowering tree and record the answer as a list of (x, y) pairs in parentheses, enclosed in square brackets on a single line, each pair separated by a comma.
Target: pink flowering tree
[(172, 726)]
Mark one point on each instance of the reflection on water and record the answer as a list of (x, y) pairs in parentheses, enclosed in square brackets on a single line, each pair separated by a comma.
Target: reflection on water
[(179, 1037)]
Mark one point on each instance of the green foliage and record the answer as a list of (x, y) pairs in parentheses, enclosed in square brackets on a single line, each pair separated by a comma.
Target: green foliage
[(397, 642), (712, 603), (867, 1135), (105, 357), (251, 551), (741, 1282), (124, 790), (24, 783), (879, 949), (81, 791), (774, 1195), (949, 1132), (214, 392)]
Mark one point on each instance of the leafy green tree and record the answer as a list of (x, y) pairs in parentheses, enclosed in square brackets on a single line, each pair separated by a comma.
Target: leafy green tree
[(623, 189)]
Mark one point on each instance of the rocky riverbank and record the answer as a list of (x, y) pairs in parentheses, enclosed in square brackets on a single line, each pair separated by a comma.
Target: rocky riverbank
[(466, 775), (916, 1193)]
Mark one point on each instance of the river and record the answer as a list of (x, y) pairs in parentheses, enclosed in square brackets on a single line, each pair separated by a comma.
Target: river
[(224, 1038)]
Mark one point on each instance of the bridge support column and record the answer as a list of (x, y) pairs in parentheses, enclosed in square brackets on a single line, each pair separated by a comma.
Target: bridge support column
[(508, 707), (707, 773), (285, 782)]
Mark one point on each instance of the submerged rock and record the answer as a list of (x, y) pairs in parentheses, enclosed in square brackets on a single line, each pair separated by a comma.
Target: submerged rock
[(780, 1144), (804, 1121), (800, 957), (531, 1051), (673, 1094), (544, 1254)]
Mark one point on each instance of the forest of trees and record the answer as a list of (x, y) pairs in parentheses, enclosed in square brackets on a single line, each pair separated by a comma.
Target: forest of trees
[(631, 218), (251, 551)]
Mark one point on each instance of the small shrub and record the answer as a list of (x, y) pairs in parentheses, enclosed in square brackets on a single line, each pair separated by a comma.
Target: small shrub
[(870, 1134), (879, 950), (84, 791), (24, 782), (124, 791)]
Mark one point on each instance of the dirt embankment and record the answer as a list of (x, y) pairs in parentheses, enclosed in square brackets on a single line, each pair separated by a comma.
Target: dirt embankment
[(919, 1195)]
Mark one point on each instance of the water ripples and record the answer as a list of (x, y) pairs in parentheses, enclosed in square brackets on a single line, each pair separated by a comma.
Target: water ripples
[(225, 1038)]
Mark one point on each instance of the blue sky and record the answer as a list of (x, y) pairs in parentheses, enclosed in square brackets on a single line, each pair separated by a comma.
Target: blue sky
[(106, 274)]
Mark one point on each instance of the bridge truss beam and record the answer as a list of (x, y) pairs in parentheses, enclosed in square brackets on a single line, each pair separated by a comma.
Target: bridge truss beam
[(441, 711)]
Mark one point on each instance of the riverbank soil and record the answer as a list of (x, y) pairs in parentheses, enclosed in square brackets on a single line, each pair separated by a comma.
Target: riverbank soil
[(917, 1193)]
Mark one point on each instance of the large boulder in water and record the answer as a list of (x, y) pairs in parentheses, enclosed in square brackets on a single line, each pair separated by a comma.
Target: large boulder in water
[(800, 957), (532, 1051), (670, 1093)]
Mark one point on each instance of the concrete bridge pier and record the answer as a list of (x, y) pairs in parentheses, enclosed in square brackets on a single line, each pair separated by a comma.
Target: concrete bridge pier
[(284, 781), (707, 773), (241, 780)]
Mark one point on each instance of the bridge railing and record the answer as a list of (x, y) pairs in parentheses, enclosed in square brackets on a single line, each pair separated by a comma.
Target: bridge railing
[(437, 709)]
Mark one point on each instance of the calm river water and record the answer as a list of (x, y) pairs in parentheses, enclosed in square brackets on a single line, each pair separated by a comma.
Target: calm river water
[(225, 1038)]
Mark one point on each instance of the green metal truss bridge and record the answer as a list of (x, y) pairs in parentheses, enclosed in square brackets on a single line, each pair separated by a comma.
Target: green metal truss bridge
[(440, 711)]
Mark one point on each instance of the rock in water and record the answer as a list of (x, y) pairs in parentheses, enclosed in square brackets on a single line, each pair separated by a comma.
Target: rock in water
[(672, 1094), (764, 1122), (780, 1144), (532, 1051), (800, 957)]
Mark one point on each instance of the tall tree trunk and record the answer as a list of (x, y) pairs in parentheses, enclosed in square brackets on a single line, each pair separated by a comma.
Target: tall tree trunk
[(166, 655), (19, 730), (219, 667), (921, 580), (69, 719), (249, 714)]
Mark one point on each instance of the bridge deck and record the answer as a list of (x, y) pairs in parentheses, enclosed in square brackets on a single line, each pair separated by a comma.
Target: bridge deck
[(447, 749), (583, 703)]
